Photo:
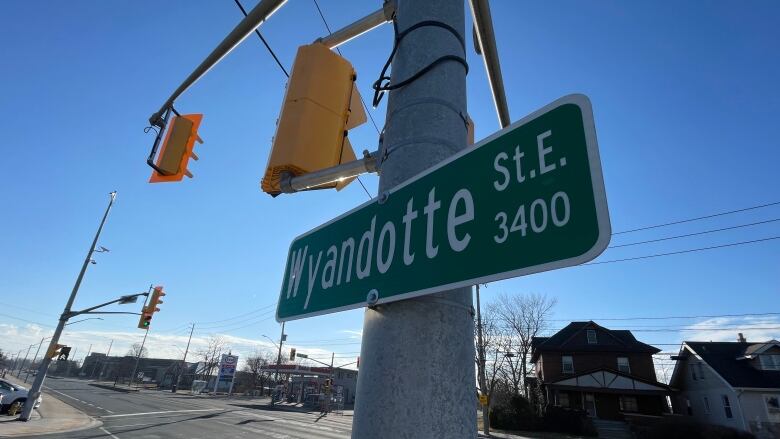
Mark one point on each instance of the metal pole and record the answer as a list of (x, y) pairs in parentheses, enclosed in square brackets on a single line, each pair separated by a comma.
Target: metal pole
[(38, 351), (84, 361), (290, 184), (252, 21), (278, 360), (183, 360), (67, 369), (35, 389), (430, 336), (360, 27), (138, 358), (482, 379), (21, 366), (486, 39)]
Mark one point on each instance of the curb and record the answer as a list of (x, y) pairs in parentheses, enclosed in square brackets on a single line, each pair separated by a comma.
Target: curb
[(115, 389)]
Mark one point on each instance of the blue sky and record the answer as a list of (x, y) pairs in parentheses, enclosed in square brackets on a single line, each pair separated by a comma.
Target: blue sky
[(685, 101)]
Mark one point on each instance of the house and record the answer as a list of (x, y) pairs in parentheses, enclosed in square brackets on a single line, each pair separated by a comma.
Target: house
[(607, 373), (736, 384)]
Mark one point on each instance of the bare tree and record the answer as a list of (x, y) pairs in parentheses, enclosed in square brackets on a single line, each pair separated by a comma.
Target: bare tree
[(136, 350), (523, 317), (255, 364), (210, 355), (494, 356)]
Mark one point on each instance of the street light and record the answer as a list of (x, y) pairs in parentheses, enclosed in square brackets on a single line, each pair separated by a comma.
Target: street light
[(84, 320)]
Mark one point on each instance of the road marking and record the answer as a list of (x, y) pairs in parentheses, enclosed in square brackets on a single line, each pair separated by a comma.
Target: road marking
[(160, 413), (108, 433), (133, 425)]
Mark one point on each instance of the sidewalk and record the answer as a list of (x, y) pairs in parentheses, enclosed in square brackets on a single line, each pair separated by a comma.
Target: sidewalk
[(53, 416)]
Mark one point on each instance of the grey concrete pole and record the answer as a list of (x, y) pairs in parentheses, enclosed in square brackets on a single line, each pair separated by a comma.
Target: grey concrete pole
[(417, 375), (138, 358), (35, 389), (183, 361)]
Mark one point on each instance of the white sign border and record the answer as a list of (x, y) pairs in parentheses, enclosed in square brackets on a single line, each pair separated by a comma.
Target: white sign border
[(599, 195)]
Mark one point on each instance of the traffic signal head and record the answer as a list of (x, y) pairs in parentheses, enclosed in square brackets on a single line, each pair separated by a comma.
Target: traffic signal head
[(157, 293), (177, 148), (321, 103), (55, 350), (292, 354), (145, 320), (64, 353)]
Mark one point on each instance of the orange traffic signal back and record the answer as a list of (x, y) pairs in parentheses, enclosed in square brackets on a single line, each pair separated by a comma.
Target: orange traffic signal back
[(321, 103), (177, 148)]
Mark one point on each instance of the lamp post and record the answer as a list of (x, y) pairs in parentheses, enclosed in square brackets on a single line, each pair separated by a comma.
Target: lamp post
[(282, 338)]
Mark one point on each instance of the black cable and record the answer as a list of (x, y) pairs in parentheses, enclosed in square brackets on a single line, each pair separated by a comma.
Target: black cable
[(685, 251), (383, 84), (695, 234), (670, 317), (697, 218), (267, 46)]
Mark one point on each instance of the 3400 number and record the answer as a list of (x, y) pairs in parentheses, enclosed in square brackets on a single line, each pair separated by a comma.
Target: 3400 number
[(539, 212)]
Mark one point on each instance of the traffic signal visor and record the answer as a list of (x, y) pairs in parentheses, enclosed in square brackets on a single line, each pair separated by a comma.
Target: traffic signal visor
[(321, 103), (157, 293), (177, 148)]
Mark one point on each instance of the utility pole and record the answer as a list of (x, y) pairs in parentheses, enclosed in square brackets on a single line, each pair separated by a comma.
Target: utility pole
[(21, 366), (183, 361), (35, 389), (34, 358), (94, 367), (67, 369), (482, 379), (279, 355), (430, 336)]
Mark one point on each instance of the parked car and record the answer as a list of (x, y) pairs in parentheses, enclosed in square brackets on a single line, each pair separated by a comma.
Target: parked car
[(13, 397)]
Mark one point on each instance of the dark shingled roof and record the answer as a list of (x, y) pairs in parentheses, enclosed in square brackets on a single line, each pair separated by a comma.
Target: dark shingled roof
[(722, 356), (565, 340)]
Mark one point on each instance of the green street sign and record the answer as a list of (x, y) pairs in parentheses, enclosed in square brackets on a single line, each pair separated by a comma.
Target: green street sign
[(527, 199)]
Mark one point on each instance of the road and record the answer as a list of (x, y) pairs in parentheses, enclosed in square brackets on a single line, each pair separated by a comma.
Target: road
[(160, 415)]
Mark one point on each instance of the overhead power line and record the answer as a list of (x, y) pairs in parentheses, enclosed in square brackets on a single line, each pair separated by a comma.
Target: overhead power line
[(697, 218), (713, 316), (265, 43), (693, 250), (695, 234)]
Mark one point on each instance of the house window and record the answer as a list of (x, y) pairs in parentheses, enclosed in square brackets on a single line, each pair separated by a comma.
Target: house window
[(770, 362), (727, 406), (622, 364), (568, 364), (591, 336), (772, 404), (563, 399), (628, 404), (706, 406), (701, 370)]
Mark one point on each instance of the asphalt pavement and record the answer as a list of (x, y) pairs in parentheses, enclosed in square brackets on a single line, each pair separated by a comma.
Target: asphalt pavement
[(160, 415)]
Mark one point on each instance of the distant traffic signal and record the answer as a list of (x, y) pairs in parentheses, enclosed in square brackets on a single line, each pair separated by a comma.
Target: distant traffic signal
[(64, 353), (320, 105), (292, 354), (177, 148), (56, 350), (148, 311)]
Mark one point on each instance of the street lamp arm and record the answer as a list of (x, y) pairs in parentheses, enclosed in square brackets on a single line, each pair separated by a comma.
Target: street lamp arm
[(112, 312), (87, 310), (318, 361)]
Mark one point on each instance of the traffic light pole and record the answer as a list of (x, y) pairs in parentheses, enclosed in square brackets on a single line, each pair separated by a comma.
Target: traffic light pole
[(35, 389), (417, 358)]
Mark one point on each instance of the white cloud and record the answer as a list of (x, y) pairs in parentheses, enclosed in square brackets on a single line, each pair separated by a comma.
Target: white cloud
[(755, 329)]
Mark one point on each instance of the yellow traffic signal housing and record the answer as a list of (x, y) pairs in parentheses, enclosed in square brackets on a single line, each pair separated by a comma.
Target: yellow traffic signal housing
[(148, 311), (54, 350), (157, 293), (145, 320), (321, 104), (177, 149)]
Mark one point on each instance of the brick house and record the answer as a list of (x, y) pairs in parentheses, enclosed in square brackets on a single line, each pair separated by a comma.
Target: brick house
[(607, 373)]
